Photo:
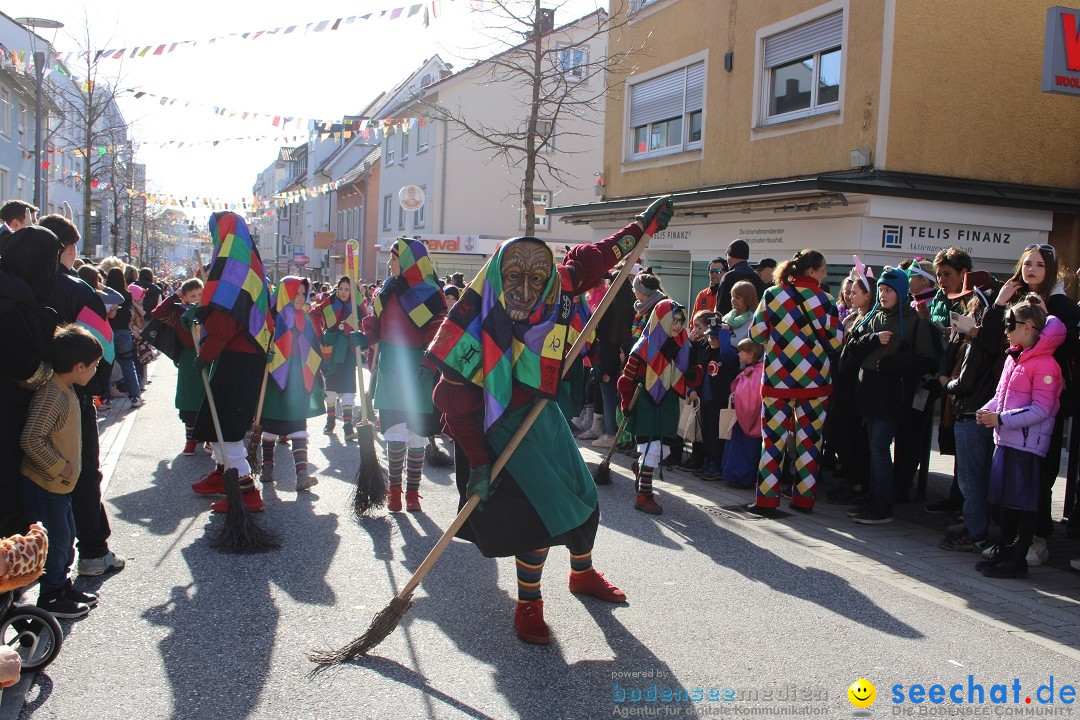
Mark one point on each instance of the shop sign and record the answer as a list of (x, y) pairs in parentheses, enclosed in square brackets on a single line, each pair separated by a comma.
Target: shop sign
[(469, 244), (1061, 51), (912, 238), (300, 259)]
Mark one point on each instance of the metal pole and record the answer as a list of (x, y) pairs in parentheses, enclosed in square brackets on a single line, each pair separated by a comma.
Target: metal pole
[(39, 77)]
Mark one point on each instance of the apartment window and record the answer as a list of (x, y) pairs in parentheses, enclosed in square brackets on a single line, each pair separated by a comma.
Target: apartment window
[(400, 217), (422, 133), (388, 149), (387, 208), (22, 126), (5, 183), (5, 112), (666, 113), (541, 200), (20, 187), (572, 61), (418, 215), (404, 146), (639, 4), (358, 223), (801, 70), (545, 130)]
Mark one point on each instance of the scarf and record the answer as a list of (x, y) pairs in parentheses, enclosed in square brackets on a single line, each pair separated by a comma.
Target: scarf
[(642, 310), (236, 282), (292, 331), (666, 358), (480, 345), (415, 286), (736, 320)]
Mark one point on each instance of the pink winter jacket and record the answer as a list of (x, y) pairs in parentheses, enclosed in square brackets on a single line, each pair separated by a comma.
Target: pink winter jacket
[(1027, 396), (746, 392)]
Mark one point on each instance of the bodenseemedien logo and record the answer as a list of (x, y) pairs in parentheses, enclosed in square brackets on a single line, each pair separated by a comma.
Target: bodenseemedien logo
[(862, 693)]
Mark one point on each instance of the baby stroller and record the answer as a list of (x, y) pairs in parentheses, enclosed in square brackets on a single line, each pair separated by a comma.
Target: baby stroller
[(30, 631)]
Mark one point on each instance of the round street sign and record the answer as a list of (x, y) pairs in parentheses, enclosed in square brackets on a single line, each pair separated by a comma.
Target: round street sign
[(411, 197)]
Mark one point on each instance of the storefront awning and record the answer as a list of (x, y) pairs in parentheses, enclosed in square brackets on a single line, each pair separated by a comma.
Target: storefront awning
[(835, 187)]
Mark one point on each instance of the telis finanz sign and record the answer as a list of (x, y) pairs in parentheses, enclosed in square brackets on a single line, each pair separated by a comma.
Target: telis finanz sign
[(1061, 52)]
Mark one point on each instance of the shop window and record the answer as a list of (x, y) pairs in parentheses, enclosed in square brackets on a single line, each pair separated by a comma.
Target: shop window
[(801, 70), (666, 113)]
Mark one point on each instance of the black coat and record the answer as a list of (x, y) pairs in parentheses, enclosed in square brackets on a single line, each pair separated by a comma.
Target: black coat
[(68, 298), (739, 271)]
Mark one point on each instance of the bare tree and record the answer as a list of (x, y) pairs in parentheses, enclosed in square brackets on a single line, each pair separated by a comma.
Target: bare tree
[(555, 74), (92, 120)]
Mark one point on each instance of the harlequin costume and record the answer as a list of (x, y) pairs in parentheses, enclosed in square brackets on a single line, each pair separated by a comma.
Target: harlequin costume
[(236, 332), (293, 393), (796, 384), (334, 321), (660, 362), (406, 314), (494, 369)]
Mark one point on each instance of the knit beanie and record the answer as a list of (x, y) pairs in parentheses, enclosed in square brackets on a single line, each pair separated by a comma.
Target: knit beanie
[(896, 279)]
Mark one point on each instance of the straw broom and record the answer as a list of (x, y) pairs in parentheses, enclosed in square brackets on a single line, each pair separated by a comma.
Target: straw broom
[(390, 617), (602, 476), (371, 483), (240, 534), (254, 456)]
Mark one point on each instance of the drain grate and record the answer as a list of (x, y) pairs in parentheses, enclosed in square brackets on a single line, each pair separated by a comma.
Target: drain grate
[(739, 512)]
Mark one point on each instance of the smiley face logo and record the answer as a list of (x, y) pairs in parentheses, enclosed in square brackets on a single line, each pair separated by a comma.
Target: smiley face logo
[(862, 693)]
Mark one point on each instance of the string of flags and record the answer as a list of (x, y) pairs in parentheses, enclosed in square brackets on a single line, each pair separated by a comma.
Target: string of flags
[(431, 9)]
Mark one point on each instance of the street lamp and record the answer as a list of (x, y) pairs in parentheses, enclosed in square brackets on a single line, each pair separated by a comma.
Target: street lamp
[(39, 79)]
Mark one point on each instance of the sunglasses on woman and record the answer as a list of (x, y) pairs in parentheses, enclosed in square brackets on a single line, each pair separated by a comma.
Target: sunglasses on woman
[(1037, 246)]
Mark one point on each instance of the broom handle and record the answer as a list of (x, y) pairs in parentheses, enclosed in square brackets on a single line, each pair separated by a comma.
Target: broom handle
[(354, 315), (210, 399), (262, 396), (622, 425), (526, 424)]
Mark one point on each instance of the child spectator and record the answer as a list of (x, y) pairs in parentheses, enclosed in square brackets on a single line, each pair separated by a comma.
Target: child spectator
[(744, 448), (699, 349), (720, 364), (744, 300), (52, 442), (178, 312), (1022, 413)]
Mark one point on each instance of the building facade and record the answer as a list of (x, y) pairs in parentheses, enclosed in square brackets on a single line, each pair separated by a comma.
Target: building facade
[(880, 128)]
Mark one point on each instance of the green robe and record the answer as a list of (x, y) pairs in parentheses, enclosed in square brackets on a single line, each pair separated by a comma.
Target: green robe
[(650, 420), (294, 402), (402, 383), (189, 385)]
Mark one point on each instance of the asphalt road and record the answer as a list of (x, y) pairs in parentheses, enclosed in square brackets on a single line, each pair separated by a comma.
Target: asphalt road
[(714, 604)]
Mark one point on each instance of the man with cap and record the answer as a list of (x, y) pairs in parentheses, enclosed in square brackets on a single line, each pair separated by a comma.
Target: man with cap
[(765, 268), (739, 269)]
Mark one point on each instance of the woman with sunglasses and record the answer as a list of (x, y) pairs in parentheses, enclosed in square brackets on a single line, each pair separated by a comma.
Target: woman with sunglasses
[(1039, 272), (798, 324)]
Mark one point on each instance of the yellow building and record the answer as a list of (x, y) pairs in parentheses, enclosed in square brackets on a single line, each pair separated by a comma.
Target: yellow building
[(884, 128)]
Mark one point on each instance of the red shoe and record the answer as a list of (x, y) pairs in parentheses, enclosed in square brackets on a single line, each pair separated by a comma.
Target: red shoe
[(594, 583), (393, 501), (212, 484), (529, 623), (253, 502), (412, 502), (646, 504), (189, 448)]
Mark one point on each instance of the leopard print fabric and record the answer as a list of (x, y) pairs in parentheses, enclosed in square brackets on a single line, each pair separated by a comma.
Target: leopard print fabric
[(24, 556)]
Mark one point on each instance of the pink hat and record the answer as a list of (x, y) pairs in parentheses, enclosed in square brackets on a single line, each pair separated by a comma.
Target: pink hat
[(136, 291)]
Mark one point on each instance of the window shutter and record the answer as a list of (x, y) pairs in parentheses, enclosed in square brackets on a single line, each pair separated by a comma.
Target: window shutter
[(821, 34), (657, 99), (695, 87)]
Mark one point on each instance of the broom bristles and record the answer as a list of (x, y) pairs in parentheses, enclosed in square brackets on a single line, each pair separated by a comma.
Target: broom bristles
[(602, 476), (254, 456), (371, 483), (384, 623), (241, 534)]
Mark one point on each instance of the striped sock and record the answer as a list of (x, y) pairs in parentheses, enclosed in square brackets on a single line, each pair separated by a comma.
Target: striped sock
[(346, 413), (645, 481), (331, 411), (268, 452), (580, 563), (299, 453), (530, 566), (247, 483), (414, 468), (189, 431), (395, 461)]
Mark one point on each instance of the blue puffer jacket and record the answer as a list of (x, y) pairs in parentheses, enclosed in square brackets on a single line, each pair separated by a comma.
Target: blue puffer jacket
[(1028, 394)]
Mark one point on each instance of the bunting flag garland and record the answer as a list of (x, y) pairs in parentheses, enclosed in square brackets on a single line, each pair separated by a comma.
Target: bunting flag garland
[(429, 10)]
